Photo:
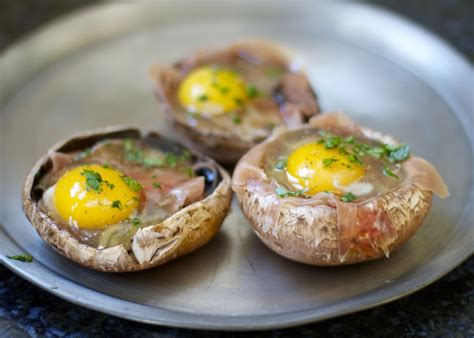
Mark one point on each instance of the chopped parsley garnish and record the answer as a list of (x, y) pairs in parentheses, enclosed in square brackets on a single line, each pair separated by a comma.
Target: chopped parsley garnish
[(223, 90), (271, 125), (157, 185), (86, 152), (189, 171), (136, 222), (136, 199), (27, 258), (348, 197), (192, 114), (110, 185), (376, 152), (133, 184), (355, 151), (93, 180), (387, 172), (327, 162), (238, 101), (106, 166), (274, 72), (354, 159), (253, 91), (330, 141), (202, 98), (237, 119), (171, 160), (280, 165), (185, 155), (398, 154), (117, 204), (132, 153), (153, 161), (349, 139), (282, 192)]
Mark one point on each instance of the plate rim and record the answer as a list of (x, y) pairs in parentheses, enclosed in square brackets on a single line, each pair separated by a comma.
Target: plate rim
[(32, 272)]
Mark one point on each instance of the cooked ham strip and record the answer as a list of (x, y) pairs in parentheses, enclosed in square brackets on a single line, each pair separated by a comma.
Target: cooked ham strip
[(424, 175), (188, 192)]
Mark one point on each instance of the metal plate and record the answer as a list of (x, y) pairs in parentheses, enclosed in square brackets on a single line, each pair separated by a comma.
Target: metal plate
[(90, 70)]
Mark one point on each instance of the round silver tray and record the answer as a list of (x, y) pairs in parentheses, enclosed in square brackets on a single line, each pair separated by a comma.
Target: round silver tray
[(91, 69)]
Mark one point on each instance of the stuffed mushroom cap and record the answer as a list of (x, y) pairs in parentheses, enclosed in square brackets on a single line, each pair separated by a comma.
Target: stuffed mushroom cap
[(329, 229), (193, 224), (223, 102)]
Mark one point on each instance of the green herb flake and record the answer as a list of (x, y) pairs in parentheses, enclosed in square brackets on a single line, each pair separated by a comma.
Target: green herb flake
[(271, 125), (192, 114), (237, 119), (153, 161), (93, 180), (354, 159), (375, 152), (171, 160), (327, 162), (280, 165), (132, 153), (399, 154), (110, 185), (348, 197), (86, 152), (117, 204), (133, 184), (27, 258), (330, 141), (349, 139), (223, 90), (202, 98), (189, 171), (282, 192), (157, 185), (185, 155), (106, 166), (274, 72), (387, 172), (136, 222), (253, 91), (238, 101)]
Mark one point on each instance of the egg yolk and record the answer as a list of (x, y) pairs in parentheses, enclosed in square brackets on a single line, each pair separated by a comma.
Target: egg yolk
[(316, 169), (212, 91), (94, 197)]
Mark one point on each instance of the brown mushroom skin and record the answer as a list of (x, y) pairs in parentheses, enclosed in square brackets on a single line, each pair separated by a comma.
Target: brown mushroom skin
[(295, 236), (296, 99), (310, 233), (180, 234)]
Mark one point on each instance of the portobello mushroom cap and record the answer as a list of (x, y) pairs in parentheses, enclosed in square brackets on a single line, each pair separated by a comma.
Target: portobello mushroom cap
[(291, 94), (181, 233), (310, 230)]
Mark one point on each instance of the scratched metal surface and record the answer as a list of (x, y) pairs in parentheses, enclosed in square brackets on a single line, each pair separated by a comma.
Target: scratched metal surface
[(361, 60)]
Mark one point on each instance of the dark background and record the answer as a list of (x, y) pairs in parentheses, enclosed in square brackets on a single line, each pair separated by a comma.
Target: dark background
[(443, 309)]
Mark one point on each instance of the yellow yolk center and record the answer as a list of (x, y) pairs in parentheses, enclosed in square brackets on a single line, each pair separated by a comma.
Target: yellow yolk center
[(94, 197), (212, 91), (316, 169)]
